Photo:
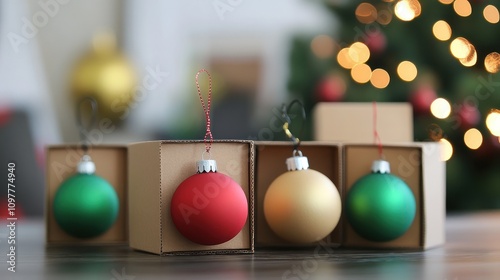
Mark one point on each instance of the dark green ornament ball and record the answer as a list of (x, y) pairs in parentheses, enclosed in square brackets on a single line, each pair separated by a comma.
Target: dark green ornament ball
[(85, 206), (380, 207)]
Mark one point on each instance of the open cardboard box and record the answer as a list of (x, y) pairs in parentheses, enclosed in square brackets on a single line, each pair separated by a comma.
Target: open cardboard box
[(351, 122), (270, 163), (111, 164), (420, 166), (155, 171)]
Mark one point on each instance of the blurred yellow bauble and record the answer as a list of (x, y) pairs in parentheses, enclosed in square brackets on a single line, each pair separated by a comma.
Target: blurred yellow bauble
[(302, 206), (107, 76)]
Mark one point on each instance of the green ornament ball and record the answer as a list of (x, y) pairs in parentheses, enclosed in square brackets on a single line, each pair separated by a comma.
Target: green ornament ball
[(380, 207), (85, 206)]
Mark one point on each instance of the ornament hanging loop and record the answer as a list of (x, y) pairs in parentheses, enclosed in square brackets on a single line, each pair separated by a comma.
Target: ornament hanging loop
[(297, 153), (206, 153), (84, 128), (287, 120), (208, 139)]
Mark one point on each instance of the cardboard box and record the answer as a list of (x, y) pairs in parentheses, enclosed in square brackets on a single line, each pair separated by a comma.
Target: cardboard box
[(270, 163), (111, 164), (155, 171), (353, 122), (420, 166)]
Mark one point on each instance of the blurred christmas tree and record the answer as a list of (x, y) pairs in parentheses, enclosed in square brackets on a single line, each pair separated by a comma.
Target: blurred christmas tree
[(439, 55)]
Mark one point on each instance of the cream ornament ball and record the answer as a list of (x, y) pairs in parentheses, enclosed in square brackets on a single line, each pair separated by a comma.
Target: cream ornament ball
[(302, 205)]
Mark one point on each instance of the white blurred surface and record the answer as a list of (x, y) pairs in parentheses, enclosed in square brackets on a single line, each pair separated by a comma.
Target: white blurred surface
[(177, 37), (181, 36), (23, 79)]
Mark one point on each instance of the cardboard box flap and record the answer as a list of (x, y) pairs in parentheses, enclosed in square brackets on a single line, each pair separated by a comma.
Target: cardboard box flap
[(144, 197), (434, 183)]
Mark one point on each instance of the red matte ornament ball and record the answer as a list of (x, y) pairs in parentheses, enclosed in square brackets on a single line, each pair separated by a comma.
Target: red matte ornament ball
[(469, 116), (376, 42), (422, 98), (331, 89), (209, 208)]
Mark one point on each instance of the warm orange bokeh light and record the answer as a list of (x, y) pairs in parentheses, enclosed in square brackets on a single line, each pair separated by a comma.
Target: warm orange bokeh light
[(491, 14), (407, 71), (463, 8), (366, 13), (361, 73), (441, 30), (380, 78)]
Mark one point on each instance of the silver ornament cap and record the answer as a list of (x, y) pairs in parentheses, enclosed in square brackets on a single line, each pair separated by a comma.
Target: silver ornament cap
[(206, 165), (381, 166), (86, 165), (297, 162)]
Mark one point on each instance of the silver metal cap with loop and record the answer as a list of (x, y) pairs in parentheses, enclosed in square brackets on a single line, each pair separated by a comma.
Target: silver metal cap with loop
[(206, 165), (86, 165), (381, 166), (297, 162)]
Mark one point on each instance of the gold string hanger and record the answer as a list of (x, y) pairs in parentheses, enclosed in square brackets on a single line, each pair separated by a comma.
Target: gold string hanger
[(287, 120)]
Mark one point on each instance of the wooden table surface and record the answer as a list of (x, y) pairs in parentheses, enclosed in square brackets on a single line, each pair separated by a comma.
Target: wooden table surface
[(472, 251)]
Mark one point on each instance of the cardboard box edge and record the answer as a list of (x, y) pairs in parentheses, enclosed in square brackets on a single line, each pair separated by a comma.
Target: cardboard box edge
[(434, 174)]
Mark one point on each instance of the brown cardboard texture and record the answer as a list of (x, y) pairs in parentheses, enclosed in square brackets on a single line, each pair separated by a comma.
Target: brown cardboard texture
[(156, 170), (270, 163), (111, 164), (352, 122), (420, 166)]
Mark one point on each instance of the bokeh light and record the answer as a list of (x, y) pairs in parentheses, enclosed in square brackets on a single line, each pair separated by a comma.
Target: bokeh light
[(361, 73), (491, 14), (493, 122), (384, 17), (407, 71), (470, 60), (460, 48), (441, 30), (407, 10), (446, 149), (366, 13), (463, 8), (440, 108), (359, 52), (380, 78), (473, 139), (492, 62), (344, 59), (323, 46), (447, 2)]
